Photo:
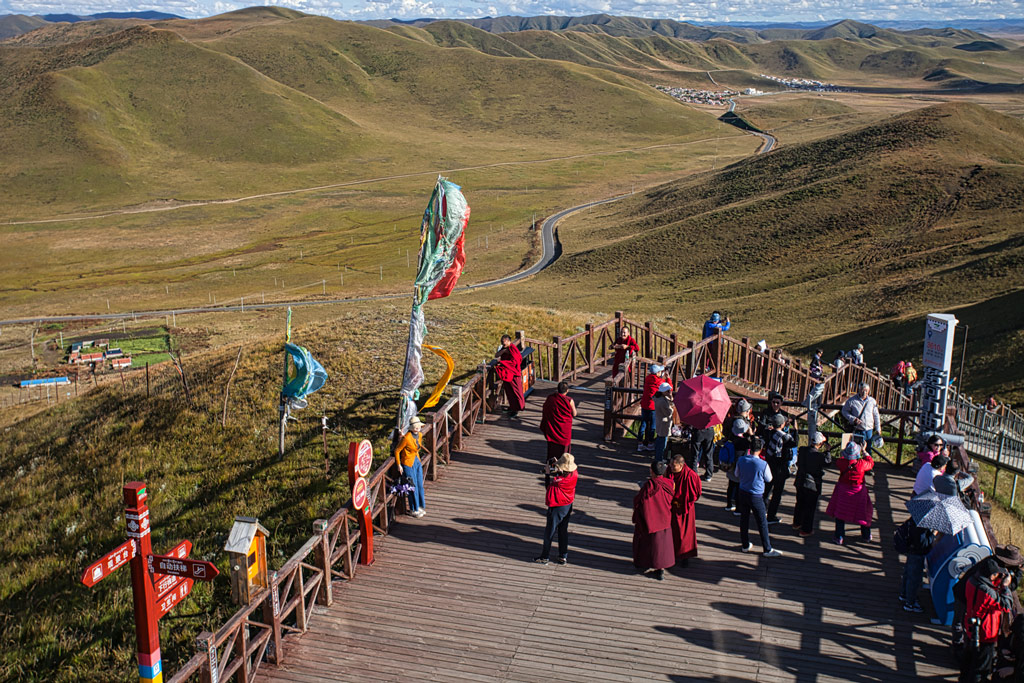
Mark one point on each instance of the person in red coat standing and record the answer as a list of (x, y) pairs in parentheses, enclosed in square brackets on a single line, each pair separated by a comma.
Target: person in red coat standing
[(625, 348), (652, 516), (686, 489), (510, 372), (652, 383), (988, 597), (850, 500), (561, 492), (556, 421)]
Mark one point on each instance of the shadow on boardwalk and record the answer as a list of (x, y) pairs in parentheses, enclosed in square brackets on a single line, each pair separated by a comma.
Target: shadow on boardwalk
[(455, 595)]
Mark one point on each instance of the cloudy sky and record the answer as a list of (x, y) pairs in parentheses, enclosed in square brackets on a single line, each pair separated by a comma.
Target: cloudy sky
[(937, 11)]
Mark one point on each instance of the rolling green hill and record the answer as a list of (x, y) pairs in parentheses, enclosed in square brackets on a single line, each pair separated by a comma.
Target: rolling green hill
[(919, 212), (244, 102)]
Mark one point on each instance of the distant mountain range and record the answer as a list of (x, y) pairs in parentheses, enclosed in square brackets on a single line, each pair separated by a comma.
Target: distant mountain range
[(15, 24)]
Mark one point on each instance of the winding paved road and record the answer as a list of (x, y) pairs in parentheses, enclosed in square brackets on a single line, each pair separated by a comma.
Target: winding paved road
[(549, 253)]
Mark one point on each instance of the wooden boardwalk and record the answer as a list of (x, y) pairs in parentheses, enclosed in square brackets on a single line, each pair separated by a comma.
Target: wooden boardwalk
[(455, 596)]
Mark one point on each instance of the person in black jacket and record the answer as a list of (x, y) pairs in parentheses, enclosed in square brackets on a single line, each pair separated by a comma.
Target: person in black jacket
[(811, 462), (919, 544)]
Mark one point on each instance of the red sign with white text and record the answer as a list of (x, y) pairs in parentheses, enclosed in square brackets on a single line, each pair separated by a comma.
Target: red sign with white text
[(359, 494), (166, 602), (190, 569), (115, 559)]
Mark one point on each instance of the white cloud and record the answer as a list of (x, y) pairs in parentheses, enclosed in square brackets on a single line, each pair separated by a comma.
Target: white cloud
[(939, 11)]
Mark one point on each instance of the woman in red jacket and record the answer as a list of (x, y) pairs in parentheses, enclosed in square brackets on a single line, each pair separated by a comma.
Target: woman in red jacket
[(560, 496), (851, 501)]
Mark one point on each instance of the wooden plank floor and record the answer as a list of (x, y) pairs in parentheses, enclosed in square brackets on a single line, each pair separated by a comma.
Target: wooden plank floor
[(455, 596)]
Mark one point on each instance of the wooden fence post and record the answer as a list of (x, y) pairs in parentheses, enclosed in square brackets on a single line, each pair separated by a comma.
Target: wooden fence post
[(618, 323), (482, 369), (589, 346), (648, 339), (432, 469), (745, 358), (718, 353), (690, 361), (556, 354), (209, 672), (609, 410), (673, 345), (322, 552), (272, 617)]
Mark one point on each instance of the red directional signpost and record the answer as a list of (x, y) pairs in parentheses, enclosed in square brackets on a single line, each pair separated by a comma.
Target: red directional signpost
[(360, 460), (159, 582)]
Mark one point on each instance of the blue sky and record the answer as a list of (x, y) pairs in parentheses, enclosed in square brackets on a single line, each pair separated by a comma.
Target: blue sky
[(939, 12)]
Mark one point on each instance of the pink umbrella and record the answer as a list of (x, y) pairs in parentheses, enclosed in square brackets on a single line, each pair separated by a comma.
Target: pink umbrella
[(702, 402)]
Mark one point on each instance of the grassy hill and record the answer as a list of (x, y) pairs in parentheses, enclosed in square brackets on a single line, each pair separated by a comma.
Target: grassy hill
[(246, 102), (16, 24), (918, 212)]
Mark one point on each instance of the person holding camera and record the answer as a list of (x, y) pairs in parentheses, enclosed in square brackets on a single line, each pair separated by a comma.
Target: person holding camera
[(561, 493), (779, 451), (988, 598)]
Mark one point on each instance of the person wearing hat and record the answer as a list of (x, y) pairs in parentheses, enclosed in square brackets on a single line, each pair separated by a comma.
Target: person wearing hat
[(407, 459), (510, 371), (652, 382), (664, 409), (561, 492), (925, 480), (779, 449), (653, 548), (857, 355), (712, 328), (811, 462), (850, 500), (738, 432), (988, 597)]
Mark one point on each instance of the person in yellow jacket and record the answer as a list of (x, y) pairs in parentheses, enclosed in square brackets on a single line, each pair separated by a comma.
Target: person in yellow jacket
[(407, 457)]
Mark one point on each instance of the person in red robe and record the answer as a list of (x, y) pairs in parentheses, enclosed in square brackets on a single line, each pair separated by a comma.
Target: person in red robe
[(510, 372), (686, 489), (556, 421), (652, 517), (625, 347)]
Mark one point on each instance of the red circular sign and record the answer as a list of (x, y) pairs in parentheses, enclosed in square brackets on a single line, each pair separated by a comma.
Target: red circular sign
[(364, 461), (359, 494)]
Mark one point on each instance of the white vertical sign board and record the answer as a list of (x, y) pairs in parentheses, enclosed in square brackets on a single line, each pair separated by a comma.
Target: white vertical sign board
[(937, 360), (938, 341)]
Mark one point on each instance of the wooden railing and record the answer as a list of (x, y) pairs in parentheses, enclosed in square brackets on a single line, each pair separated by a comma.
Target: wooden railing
[(258, 631)]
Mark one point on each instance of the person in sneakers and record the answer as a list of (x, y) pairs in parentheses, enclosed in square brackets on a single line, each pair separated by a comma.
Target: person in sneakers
[(738, 431), (861, 412), (851, 501), (919, 544), (625, 348), (407, 459), (653, 548), (754, 476), (664, 409), (703, 451), (778, 452), (652, 382), (561, 492), (811, 462)]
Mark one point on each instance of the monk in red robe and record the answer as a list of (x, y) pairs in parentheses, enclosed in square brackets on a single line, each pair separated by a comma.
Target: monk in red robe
[(625, 347), (510, 372), (556, 421), (686, 489), (652, 515)]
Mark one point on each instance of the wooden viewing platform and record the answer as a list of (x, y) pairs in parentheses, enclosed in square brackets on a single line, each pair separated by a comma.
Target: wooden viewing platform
[(456, 596)]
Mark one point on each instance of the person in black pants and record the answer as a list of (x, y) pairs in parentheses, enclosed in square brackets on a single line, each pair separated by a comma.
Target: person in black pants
[(811, 462), (703, 451), (778, 449)]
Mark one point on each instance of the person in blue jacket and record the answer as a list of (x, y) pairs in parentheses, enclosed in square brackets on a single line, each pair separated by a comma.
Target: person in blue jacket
[(714, 324)]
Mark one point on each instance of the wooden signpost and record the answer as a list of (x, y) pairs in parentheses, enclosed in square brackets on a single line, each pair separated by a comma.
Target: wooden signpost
[(360, 460), (159, 582)]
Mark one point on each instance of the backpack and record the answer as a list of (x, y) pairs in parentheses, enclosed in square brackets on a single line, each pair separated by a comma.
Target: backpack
[(727, 455), (901, 537)]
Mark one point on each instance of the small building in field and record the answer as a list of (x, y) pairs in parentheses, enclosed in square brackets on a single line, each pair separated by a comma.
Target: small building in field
[(113, 353), (121, 363)]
